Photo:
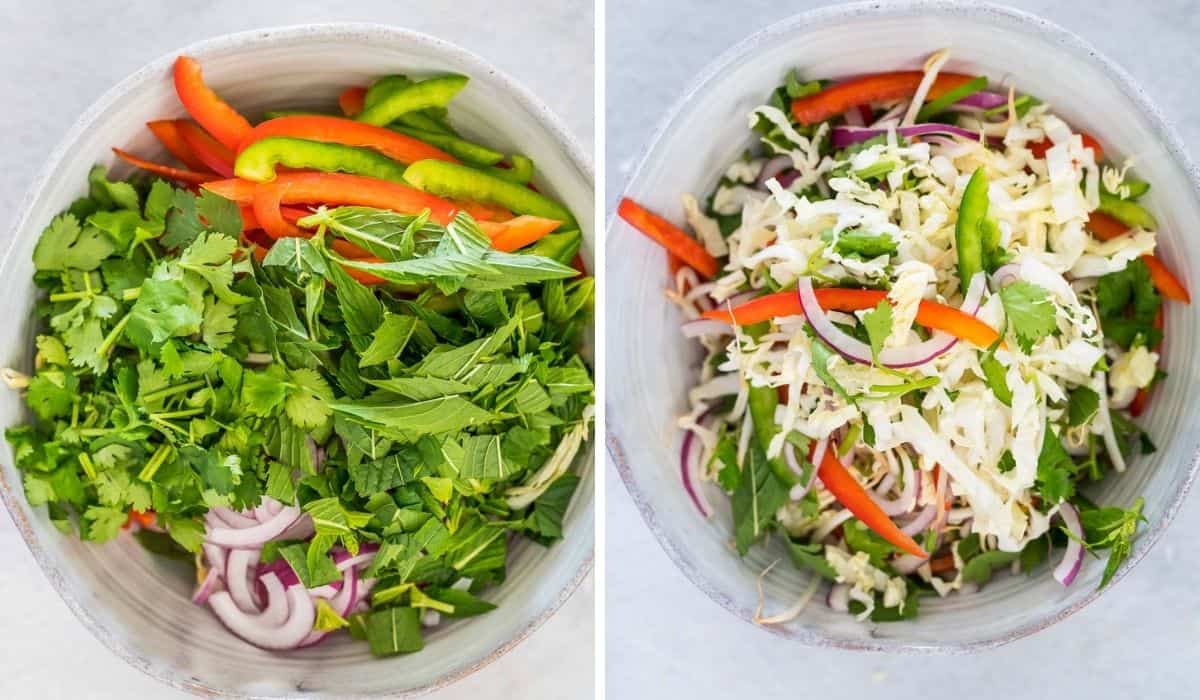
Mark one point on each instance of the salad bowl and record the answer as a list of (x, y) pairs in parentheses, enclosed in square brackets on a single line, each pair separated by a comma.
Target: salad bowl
[(137, 604), (707, 130)]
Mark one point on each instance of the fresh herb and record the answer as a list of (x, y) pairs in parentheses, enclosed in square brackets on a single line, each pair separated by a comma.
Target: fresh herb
[(1127, 303), (1030, 312), (1113, 529), (1055, 470), (878, 322)]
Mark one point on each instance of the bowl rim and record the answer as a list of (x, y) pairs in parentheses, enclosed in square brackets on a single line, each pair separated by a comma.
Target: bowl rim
[(825, 16), (264, 37)]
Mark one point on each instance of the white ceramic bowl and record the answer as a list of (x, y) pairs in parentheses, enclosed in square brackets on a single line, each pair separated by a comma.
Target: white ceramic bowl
[(655, 365), (138, 605)]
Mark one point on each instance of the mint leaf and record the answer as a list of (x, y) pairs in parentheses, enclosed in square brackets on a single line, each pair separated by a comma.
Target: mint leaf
[(395, 631)]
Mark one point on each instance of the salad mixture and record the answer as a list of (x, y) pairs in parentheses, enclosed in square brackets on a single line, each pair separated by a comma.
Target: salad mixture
[(930, 313), (345, 391)]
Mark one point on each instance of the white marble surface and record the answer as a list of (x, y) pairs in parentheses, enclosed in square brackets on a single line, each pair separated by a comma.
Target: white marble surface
[(666, 639), (58, 57)]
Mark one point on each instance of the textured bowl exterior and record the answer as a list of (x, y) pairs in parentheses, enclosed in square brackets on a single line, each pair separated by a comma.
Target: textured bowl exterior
[(707, 129), (137, 604)]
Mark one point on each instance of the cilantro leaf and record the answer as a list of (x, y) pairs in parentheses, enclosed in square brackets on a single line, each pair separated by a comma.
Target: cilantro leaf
[(1055, 470), (1030, 312), (65, 245), (1113, 529), (878, 323)]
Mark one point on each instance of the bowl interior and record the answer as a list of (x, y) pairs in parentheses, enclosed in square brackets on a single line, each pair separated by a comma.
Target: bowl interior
[(708, 130), (138, 604)]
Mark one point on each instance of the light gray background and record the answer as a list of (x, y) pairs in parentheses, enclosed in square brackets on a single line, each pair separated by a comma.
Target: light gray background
[(58, 57), (666, 639)]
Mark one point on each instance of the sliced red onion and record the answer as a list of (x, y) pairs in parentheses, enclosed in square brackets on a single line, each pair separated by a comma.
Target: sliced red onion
[(207, 587), (281, 568), (216, 557), (257, 630), (353, 562), (906, 564), (819, 449), (984, 100), (770, 169), (302, 529), (705, 326), (689, 470), (254, 537), (855, 350), (237, 578), (278, 607), (907, 500), (327, 591), (885, 484), (1005, 275), (920, 523), (1072, 560), (839, 597), (849, 135), (221, 516)]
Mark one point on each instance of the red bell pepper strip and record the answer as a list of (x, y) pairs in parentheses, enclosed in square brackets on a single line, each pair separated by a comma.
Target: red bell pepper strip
[(213, 113), (267, 198), (579, 265), (1106, 228), (352, 100), (215, 156), (142, 519), (347, 132), (929, 314), (669, 236), (483, 211), (250, 221), (167, 133), (845, 488), (1167, 283), (1039, 148), (187, 176), (517, 233), (341, 189), (880, 87)]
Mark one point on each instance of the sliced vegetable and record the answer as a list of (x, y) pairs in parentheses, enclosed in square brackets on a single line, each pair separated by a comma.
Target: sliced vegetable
[(192, 178), (968, 231), (167, 133), (881, 87), (435, 92), (348, 132), (951, 96), (1165, 282), (1039, 148), (1127, 212), (338, 188), (930, 314), (206, 107), (257, 162), (461, 182), (675, 240), (465, 151), (519, 232), (845, 488), (215, 155), (351, 100)]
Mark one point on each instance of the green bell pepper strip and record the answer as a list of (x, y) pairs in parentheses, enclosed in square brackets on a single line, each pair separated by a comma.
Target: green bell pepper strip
[(467, 152), (1127, 212), (432, 119), (521, 171), (454, 181), (1136, 188), (762, 403), (435, 92), (277, 113), (968, 232), (560, 247), (948, 98), (257, 163)]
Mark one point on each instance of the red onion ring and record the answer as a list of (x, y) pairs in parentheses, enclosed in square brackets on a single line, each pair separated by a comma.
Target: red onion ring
[(1005, 275), (254, 537), (907, 500), (921, 522), (689, 469), (1072, 559), (207, 587), (257, 630), (222, 516), (216, 556), (984, 100), (770, 169), (237, 578), (855, 350), (906, 564)]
